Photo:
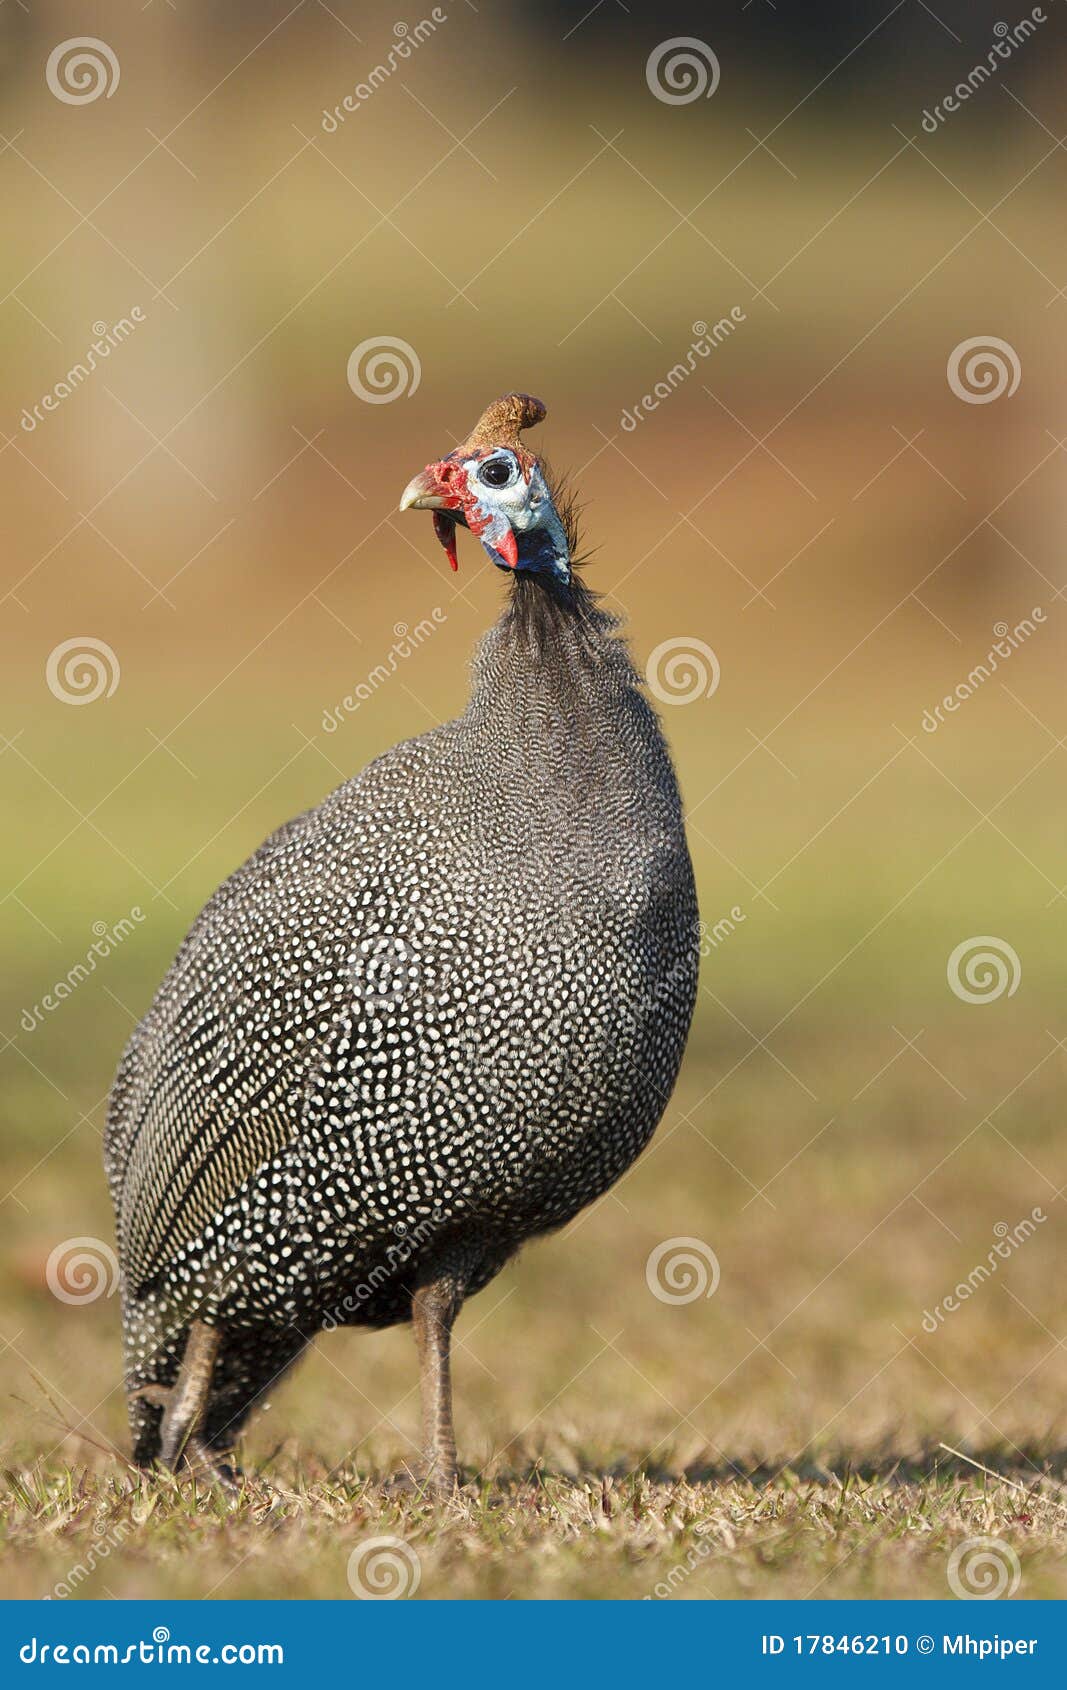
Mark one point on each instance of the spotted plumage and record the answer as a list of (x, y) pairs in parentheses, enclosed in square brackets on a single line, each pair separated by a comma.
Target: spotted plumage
[(428, 1020)]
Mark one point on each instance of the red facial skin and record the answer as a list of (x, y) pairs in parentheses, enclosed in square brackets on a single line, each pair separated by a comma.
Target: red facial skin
[(508, 548), (451, 485)]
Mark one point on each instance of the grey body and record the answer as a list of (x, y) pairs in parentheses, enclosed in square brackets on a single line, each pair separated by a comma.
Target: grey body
[(425, 1022)]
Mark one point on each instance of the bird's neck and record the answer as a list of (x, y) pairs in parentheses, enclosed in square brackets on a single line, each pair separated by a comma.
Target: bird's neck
[(555, 665)]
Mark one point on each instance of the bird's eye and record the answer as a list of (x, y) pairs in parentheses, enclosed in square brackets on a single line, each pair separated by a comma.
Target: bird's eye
[(496, 473)]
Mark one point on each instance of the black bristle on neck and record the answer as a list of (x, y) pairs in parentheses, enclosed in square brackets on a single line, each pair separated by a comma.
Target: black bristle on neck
[(537, 596), (565, 499), (557, 629)]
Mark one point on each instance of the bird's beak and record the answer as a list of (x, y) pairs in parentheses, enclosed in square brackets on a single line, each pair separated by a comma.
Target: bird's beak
[(431, 490), (422, 493)]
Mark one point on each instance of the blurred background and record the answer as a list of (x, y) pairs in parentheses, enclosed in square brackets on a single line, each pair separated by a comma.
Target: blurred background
[(838, 503)]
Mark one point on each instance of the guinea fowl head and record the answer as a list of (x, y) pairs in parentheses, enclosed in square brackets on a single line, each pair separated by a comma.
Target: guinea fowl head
[(494, 486)]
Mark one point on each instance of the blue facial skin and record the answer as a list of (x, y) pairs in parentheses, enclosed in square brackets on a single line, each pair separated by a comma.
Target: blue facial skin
[(520, 508)]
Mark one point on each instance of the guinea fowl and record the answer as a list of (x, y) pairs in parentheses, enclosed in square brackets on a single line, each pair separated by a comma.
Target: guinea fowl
[(428, 1020)]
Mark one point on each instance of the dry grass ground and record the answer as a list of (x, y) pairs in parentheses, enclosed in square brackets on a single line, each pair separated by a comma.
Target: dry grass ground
[(780, 1438), (310, 1533)]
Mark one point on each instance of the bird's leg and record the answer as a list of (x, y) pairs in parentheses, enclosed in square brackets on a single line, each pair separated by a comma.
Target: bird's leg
[(435, 1306), (186, 1403)]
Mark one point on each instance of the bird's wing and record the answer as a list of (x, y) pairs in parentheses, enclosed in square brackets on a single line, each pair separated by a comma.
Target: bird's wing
[(212, 1086), (177, 1179)]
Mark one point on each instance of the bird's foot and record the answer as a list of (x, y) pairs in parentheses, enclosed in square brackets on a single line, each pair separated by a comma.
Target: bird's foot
[(198, 1461), (205, 1464), (192, 1457), (423, 1483)]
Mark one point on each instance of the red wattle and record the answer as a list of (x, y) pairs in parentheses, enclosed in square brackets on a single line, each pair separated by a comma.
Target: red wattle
[(508, 550), (445, 529)]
